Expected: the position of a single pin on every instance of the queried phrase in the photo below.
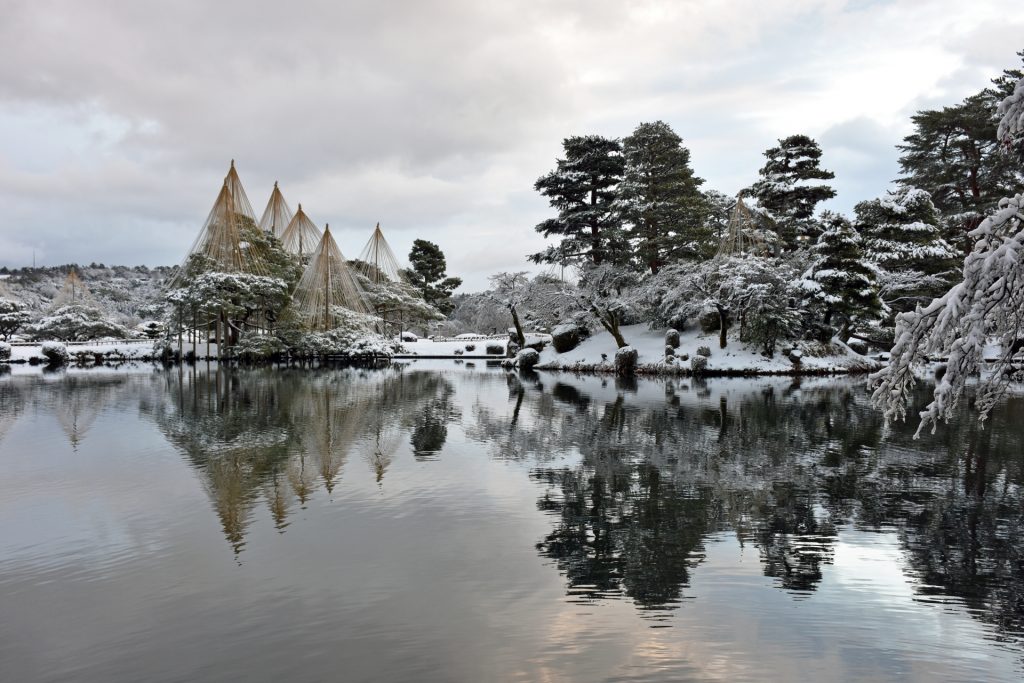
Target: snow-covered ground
(597, 353)
(465, 348)
(112, 351)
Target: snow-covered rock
(55, 353)
(526, 359)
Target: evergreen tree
(790, 188)
(954, 155)
(583, 188)
(429, 277)
(659, 198)
(841, 281)
(901, 235)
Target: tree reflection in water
(637, 476)
(281, 435)
(784, 466)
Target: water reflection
(278, 436)
(782, 466)
(498, 510)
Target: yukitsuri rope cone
(327, 283)
(221, 244)
(377, 262)
(277, 215)
(301, 236)
(742, 236)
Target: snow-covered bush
(5, 351)
(704, 351)
(527, 358)
(56, 353)
(672, 338)
(458, 352)
(625, 360)
(13, 317)
(470, 348)
(256, 348)
(495, 349)
(77, 322)
(698, 365)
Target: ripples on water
(434, 523)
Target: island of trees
(930, 268)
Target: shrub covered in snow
(704, 351)
(625, 360)
(672, 338)
(495, 349)
(56, 353)
(260, 347)
(5, 351)
(527, 358)
(471, 347)
(77, 322)
(698, 364)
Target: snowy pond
(441, 522)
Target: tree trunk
(612, 325)
(520, 337)
(723, 327)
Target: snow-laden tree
(988, 305)
(901, 236)
(791, 187)
(754, 292)
(840, 283)
(659, 202)
(398, 300)
(604, 295)
(235, 299)
(13, 317)
(583, 188)
(76, 322)
(957, 154)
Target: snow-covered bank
(597, 354)
(107, 351)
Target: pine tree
(659, 198)
(954, 155)
(582, 188)
(840, 281)
(429, 277)
(902, 237)
(790, 188)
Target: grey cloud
(433, 117)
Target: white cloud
(117, 120)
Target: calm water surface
(435, 522)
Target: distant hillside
(129, 294)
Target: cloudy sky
(118, 119)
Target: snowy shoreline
(596, 354)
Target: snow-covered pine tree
(791, 188)
(959, 325)
(902, 237)
(13, 317)
(955, 155)
(583, 187)
(841, 283)
(660, 202)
